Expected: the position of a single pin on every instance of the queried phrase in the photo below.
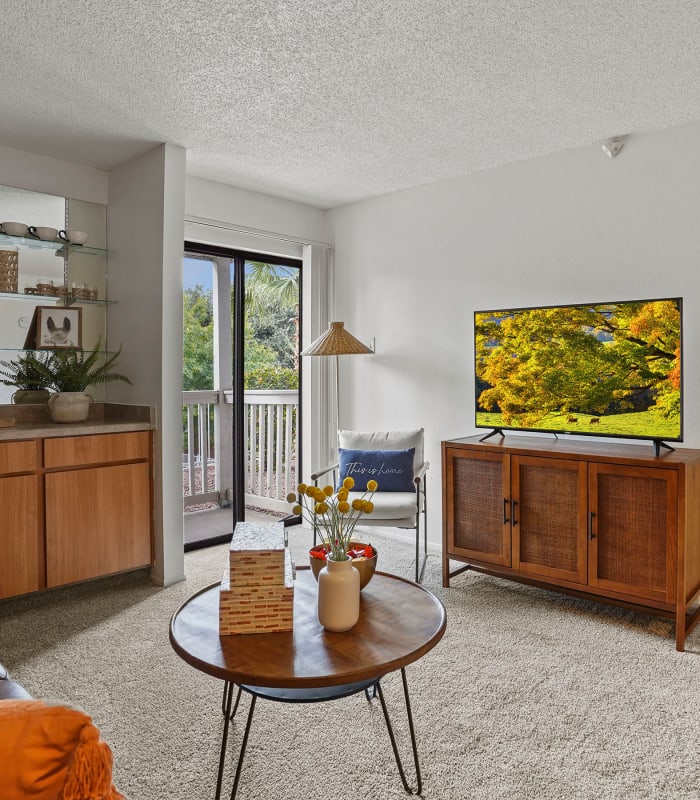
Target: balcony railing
(270, 436)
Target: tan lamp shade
(336, 341)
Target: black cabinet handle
(514, 505)
(591, 533)
(505, 511)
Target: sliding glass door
(241, 379)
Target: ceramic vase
(30, 396)
(338, 596)
(69, 406)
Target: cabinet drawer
(104, 448)
(18, 456)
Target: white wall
(412, 267)
(51, 175)
(145, 233)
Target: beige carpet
(528, 695)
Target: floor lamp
(336, 341)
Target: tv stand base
(658, 444)
(494, 432)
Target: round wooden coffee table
(400, 621)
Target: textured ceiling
(330, 101)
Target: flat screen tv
(599, 369)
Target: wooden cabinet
(21, 564)
(78, 507)
(603, 521)
(98, 518)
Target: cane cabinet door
(633, 530)
(548, 517)
(477, 506)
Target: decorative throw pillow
(51, 751)
(392, 469)
(385, 440)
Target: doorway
(241, 399)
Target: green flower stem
(335, 527)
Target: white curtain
(319, 423)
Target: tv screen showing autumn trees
(612, 369)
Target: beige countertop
(33, 422)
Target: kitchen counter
(33, 421)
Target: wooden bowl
(365, 566)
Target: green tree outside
(271, 331)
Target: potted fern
(26, 375)
(70, 373)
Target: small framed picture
(58, 328)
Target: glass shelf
(64, 248)
(15, 350)
(58, 300)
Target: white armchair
(400, 500)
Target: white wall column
(145, 226)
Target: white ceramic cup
(14, 228)
(77, 237)
(45, 234)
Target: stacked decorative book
(257, 589)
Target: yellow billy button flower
(369, 507)
(301, 488)
(357, 504)
(296, 509)
(372, 486)
(342, 495)
(348, 483)
(328, 490)
(310, 491)
(320, 508)
(319, 495)
(291, 497)
(343, 506)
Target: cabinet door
(477, 508)
(20, 535)
(98, 521)
(633, 530)
(549, 517)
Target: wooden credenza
(74, 508)
(605, 521)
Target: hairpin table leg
(414, 746)
(228, 689)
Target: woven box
(257, 588)
(9, 268)
(256, 554)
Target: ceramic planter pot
(33, 396)
(69, 406)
